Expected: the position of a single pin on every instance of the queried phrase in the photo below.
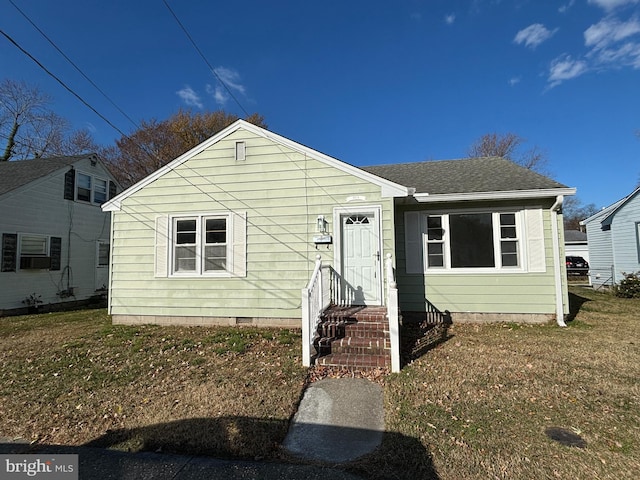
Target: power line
(213, 70)
(153, 155)
(64, 85)
(73, 64)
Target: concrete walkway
(338, 421)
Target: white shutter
(413, 243)
(162, 247)
(239, 239)
(535, 240)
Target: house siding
(40, 208)
(281, 191)
(625, 238)
(497, 295)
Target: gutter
(557, 271)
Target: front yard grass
(481, 402)
(73, 379)
(476, 406)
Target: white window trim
(92, 194)
(19, 253)
(200, 217)
(638, 240)
(521, 235)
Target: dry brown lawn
(476, 406)
(74, 379)
(479, 405)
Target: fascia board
(501, 195)
(389, 189)
(609, 218)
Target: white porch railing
(325, 288)
(314, 301)
(392, 314)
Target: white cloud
(609, 31)
(565, 68)
(624, 55)
(564, 8)
(533, 35)
(190, 97)
(229, 78)
(609, 5)
(513, 81)
(449, 19)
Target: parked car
(577, 266)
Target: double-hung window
(91, 189)
(200, 245)
(464, 241)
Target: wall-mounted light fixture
(321, 224)
(323, 238)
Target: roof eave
(496, 195)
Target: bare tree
(30, 129)
(509, 146)
(155, 143)
(574, 211)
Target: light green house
(231, 231)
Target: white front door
(361, 252)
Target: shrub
(629, 286)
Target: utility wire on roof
(73, 64)
(213, 70)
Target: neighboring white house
(614, 240)
(54, 236)
(575, 244)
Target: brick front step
(361, 345)
(354, 337)
(366, 330)
(355, 361)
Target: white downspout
(557, 271)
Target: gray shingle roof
(574, 236)
(486, 174)
(18, 173)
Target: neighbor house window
(91, 189)
(638, 239)
(84, 187)
(39, 252)
(464, 240)
(100, 191)
(103, 254)
(200, 245)
(33, 245)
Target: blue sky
(368, 82)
